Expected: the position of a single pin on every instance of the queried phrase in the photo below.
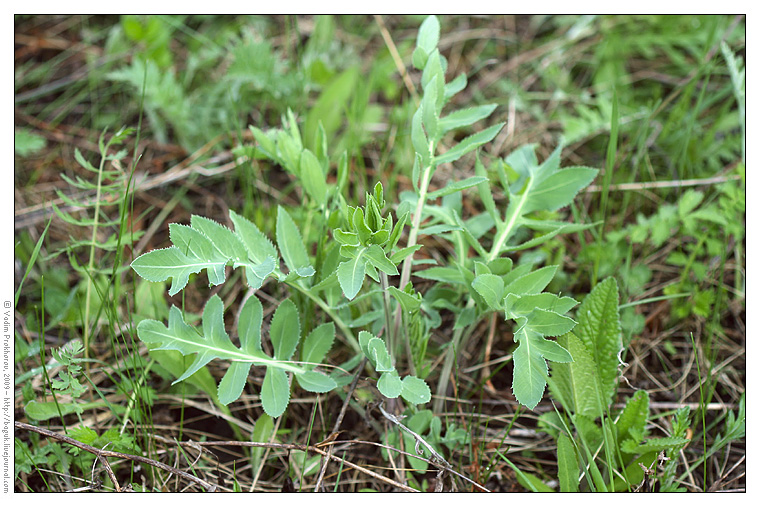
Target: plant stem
(91, 263)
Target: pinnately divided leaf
(214, 343)
(530, 369)
(208, 245)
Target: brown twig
(102, 454)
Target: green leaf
(285, 330)
(315, 382)
(376, 256)
(517, 306)
(530, 369)
(468, 144)
(291, 245)
(259, 247)
(159, 265)
(318, 343)
(419, 139)
(632, 421)
(599, 330)
(531, 283)
(232, 384)
(457, 186)
(390, 385)
(378, 354)
(313, 177)
(569, 474)
(275, 392)
(491, 288)
(351, 275)
(408, 302)
(654, 444)
(559, 189)
(576, 383)
(429, 34)
(415, 390)
(549, 323)
(464, 117)
(46, 410)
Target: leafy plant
(586, 388)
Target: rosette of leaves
(212, 342)
(367, 240)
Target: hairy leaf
(291, 245)
(599, 330)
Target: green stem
(91, 264)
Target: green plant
(366, 245)
(586, 389)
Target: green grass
(657, 102)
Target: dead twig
(102, 454)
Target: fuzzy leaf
(315, 382)
(390, 385)
(415, 390)
(429, 34)
(275, 392)
(549, 323)
(599, 330)
(457, 186)
(313, 177)
(559, 189)
(632, 421)
(285, 330)
(351, 275)
(318, 343)
(531, 283)
(576, 383)
(291, 245)
(468, 144)
(491, 288)
(530, 369)
(464, 117)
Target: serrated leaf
(518, 306)
(259, 247)
(162, 264)
(415, 390)
(549, 323)
(390, 385)
(468, 144)
(315, 382)
(653, 444)
(232, 384)
(530, 369)
(531, 283)
(285, 330)
(275, 392)
(291, 245)
(599, 330)
(632, 421)
(576, 383)
(318, 343)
